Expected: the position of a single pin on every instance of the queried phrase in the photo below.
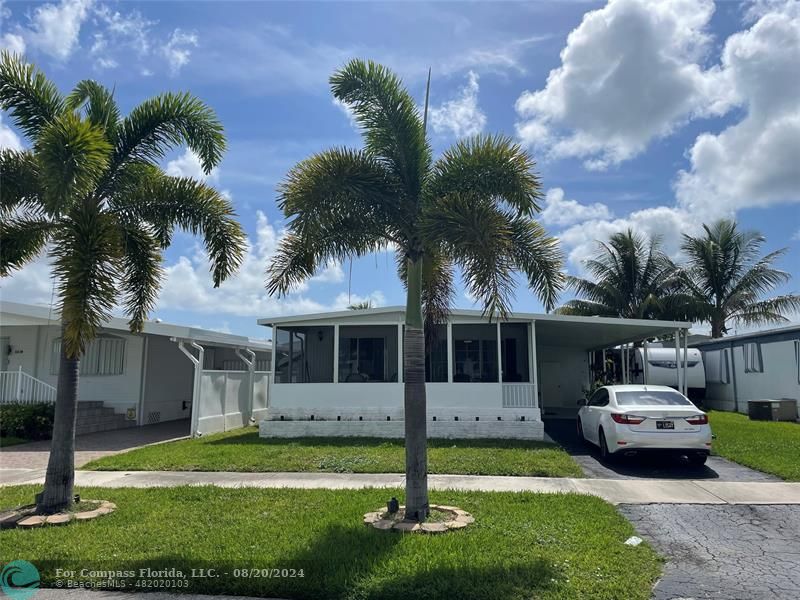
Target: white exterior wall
(563, 375)
(169, 378)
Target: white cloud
(177, 50)
(461, 116)
(55, 28)
(9, 139)
(188, 165)
(13, 43)
(343, 300)
(629, 73)
(331, 273)
(348, 112)
(131, 30)
(755, 161)
(559, 211)
(31, 284)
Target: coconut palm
(727, 277)
(471, 209)
(631, 278)
(90, 193)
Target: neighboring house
(137, 379)
(762, 365)
(341, 373)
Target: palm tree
(726, 278)
(90, 193)
(632, 279)
(363, 305)
(469, 209)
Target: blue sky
(657, 116)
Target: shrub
(27, 421)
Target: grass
(242, 450)
(522, 545)
(10, 440)
(769, 446)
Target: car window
(599, 398)
(652, 398)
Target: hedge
(27, 421)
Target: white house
(762, 365)
(213, 380)
(341, 373)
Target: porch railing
(18, 386)
(518, 395)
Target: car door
(594, 410)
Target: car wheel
(697, 460)
(581, 437)
(605, 455)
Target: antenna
(427, 97)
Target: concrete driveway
(90, 446)
(564, 433)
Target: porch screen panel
(475, 353)
(514, 346)
(436, 357)
(304, 355)
(368, 353)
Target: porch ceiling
(589, 335)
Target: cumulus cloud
(559, 211)
(188, 165)
(461, 116)
(55, 28)
(9, 139)
(13, 43)
(630, 72)
(178, 49)
(755, 161)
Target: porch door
(550, 390)
(4, 343)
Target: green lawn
(243, 450)
(772, 447)
(522, 546)
(10, 440)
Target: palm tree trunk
(415, 403)
(717, 325)
(60, 479)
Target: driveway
(34, 455)
(563, 432)
(724, 552)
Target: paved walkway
(88, 447)
(616, 491)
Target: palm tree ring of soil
(441, 520)
(26, 517)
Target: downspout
(143, 380)
(251, 376)
(197, 361)
(733, 378)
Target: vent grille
(153, 417)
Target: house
(214, 381)
(761, 365)
(341, 373)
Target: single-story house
(215, 381)
(340, 373)
(761, 365)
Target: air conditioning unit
(784, 409)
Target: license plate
(665, 424)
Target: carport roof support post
(197, 361)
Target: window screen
(103, 356)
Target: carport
(571, 352)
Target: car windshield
(651, 398)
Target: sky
(658, 116)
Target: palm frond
(28, 96)
(772, 310)
(142, 272)
(21, 240)
(490, 168)
(19, 182)
(99, 106)
(584, 308)
(389, 119)
(539, 257)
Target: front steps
(94, 416)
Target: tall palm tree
(469, 209)
(726, 278)
(631, 278)
(90, 193)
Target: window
(797, 358)
(475, 353)
(716, 365)
(367, 353)
(599, 398)
(105, 355)
(752, 358)
(436, 357)
(651, 398)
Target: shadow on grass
(251, 438)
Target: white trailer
(662, 368)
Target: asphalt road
(723, 552)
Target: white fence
(18, 386)
(229, 399)
(518, 395)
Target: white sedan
(628, 419)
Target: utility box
(784, 409)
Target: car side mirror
(582, 402)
